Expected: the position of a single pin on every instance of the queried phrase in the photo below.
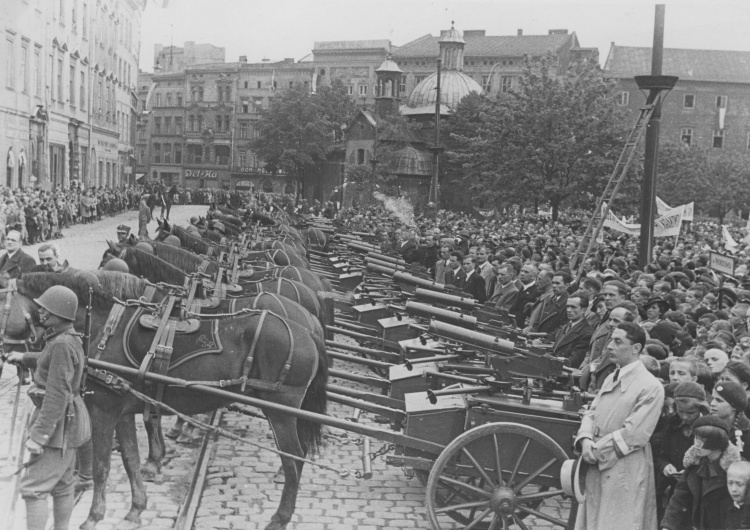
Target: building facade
(709, 106)
(196, 123)
(67, 92)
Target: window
(721, 102)
(360, 157)
(178, 153)
(10, 71)
(191, 121)
(167, 153)
(362, 90)
(256, 133)
(291, 84)
(168, 125)
(258, 102)
(686, 136)
(243, 129)
(59, 80)
(72, 83)
(718, 139)
(157, 153)
(506, 83)
(258, 84)
(200, 93)
(141, 134)
(179, 99)
(227, 123)
(169, 99)
(220, 92)
(141, 156)
(218, 123)
(245, 107)
(25, 68)
(486, 84)
(200, 123)
(37, 72)
(688, 101)
(158, 100)
(246, 84)
(350, 89)
(82, 90)
(402, 85)
(178, 125)
(228, 93)
(623, 99)
(192, 93)
(157, 125)
(85, 21)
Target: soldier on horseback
(60, 422)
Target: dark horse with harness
(255, 352)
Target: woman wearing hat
(729, 404)
(703, 486)
(656, 307)
(676, 438)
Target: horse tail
(310, 433)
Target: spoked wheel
(494, 476)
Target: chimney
(243, 59)
(520, 33)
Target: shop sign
(243, 184)
(200, 174)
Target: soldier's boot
(62, 509)
(36, 514)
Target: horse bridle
(5, 315)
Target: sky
(278, 29)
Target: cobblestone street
(239, 491)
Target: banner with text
(668, 225)
(662, 208)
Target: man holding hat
(614, 440)
(60, 422)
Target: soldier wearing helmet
(60, 422)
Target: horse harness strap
(113, 320)
(259, 384)
(159, 354)
(203, 267)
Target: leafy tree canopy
(555, 138)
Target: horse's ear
(112, 246)
(132, 240)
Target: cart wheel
(494, 476)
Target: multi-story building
(709, 106)
(175, 59)
(67, 91)
(197, 123)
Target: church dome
(454, 86)
(410, 161)
(389, 66)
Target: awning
(140, 178)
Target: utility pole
(437, 148)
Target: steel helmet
(116, 265)
(173, 241)
(194, 220)
(59, 301)
(145, 247)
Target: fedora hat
(573, 478)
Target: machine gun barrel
(410, 279)
(472, 338)
(387, 264)
(384, 257)
(381, 269)
(435, 297)
(443, 315)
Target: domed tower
(389, 79)
(454, 84)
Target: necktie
(617, 375)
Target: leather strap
(259, 384)
(161, 347)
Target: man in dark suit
(572, 340)
(528, 295)
(505, 293)
(16, 261)
(474, 284)
(455, 275)
(549, 312)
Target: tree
(554, 139)
(300, 129)
(715, 179)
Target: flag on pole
(729, 243)
(273, 79)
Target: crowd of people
(663, 350)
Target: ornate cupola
(389, 79)
(452, 49)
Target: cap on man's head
(124, 229)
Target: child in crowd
(736, 511)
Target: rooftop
(478, 45)
(694, 65)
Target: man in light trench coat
(614, 441)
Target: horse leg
(285, 432)
(156, 449)
(102, 429)
(131, 462)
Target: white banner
(662, 208)
(668, 225)
(729, 243)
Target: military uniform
(60, 422)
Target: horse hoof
(88, 524)
(149, 472)
(276, 524)
(173, 433)
(278, 477)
